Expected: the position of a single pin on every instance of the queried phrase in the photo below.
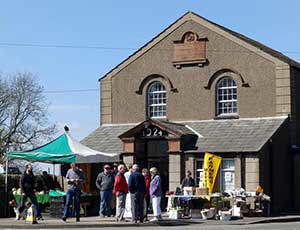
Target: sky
(119, 27)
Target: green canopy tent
(63, 149)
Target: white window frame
(161, 95)
(221, 104)
(223, 171)
(199, 170)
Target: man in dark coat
(27, 185)
(137, 189)
(188, 181)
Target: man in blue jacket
(137, 189)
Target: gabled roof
(236, 135)
(175, 129)
(224, 136)
(246, 42)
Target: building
(196, 87)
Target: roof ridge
(272, 52)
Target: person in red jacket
(147, 177)
(120, 190)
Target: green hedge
(13, 182)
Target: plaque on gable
(152, 131)
(190, 50)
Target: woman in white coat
(127, 213)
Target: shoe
(64, 218)
(34, 222)
(77, 219)
(154, 219)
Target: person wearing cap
(137, 188)
(105, 183)
(155, 194)
(75, 178)
(120, 190)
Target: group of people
(134, 191)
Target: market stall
(208, 202)
(63, 149)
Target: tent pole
(6, 173)
(6, 187)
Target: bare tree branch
(23, 113)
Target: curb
(276, 220)
(148, 224)
(92, 225)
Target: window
(226, 173)
(199, 171)
(226, 97)
(157, 100)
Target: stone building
(199, 87)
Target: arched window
(226, 91)
(157, 100)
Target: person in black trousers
(137, 189)
(27, 185)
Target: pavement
(97, 222)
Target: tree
(23, 113)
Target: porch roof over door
(235, 135)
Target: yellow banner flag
(211, 167)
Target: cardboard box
(187, 191)
(201, 191)
(225, 215)
(175, 214)
(196, 214)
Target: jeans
(120, 209)
(105, 197)
(137, 206)
(33, 200)
(70, 194)
(156, 206)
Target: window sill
(227, 116)
(158, 118)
